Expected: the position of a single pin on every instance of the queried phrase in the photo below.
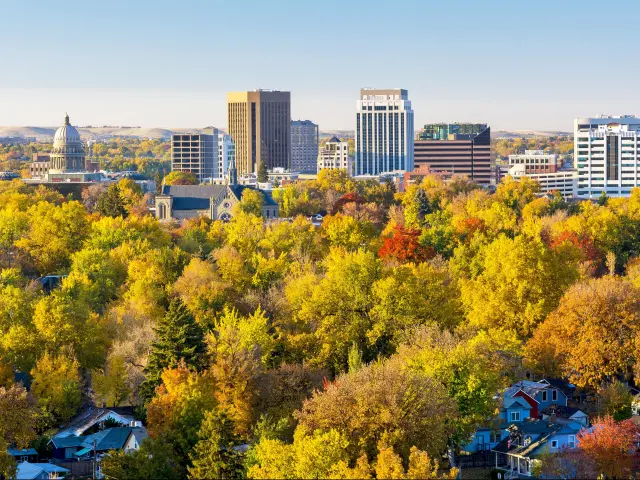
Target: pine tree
(178, 338)
(263, 175)
(111, 203)
(214, 455)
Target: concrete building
(68, 153)
(563, 181)
(456, 149)
(536, 161)
(259, 123)
(304, 146)
(196, 153)
(226, 154)
(606, 155)
(384, 132)
(334, 155)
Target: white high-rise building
(384, 132)
(606, 155)
(335, 155)
(226, 154)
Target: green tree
(155, 458)
(111, 202)
(178, 338)
(263, 175)
(416, 206)
(251, 202)
(215, 456)
(181, 178)
(17, 425)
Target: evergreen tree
(178, 338)
(111, 203)
(263, 176)
(214, 455)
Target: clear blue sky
(515, 64)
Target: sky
(514, 64)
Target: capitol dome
(66, 134)
(68, 151)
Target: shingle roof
(109, 439)
(193, 191)
(197, 197)
(17, 452)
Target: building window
(544, 396)
(554, 444)
(572, 441)
(554, 395)
(515, 416)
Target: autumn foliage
(404, 246)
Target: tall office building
(456, 149)
(226, 154)
(195, 153)
(304, 146)
(607, 155)
(384, 132)
(260, 125)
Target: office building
(535, 161)
(457, 149)
(195, 153)
(563, 181)
(260, 126)
(335, 155)
(226, 154)
(384, 132)
(606, 153)
(304, 146)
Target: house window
(554, 444)
(572, 441)
(515, 416)
(544, 396)
(68, 452)
(554, 395)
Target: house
(84, 446)
(539, 395)
(533, 437)
(217, 202)
(560, 414)
(24, 454)
(40, 471)
(92, 417)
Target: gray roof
(193, 191)
(334, 139)
(31, 471)
(89, 417)
(109, 439)
(17, 452)
(197, 197)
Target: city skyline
(510, 66)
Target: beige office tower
(260, 125)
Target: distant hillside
(527, 134)
(47, 133)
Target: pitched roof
(139, 434)
(109, 439)
(193, 191)
(17, 452)
(566, 387)
(509, 402)
(89, 417)
(526, 386)
(70, 441)
(197, 197)
(31, 471)
(334, 139)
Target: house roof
(562, 411)
(110, 439)
(545, 431)
(88, 418)
(526, 386)
(198, 197)
(66, 442)
(139, 434)
(334, 139)
(510, 402)
(31, 471)
(561, 384)
(17, 452)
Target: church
(181, 202)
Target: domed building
(68, 151)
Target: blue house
(82, 447)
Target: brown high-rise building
(455, 149)
(260, 125)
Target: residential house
(40, 471)
(84, 446)
(23, 454)
(94, 417)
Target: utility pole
(94, 460)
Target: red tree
(404, 246)
(347, 198)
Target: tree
(215, 454)
(155, 458)
(251, 202)
(575, 340)
(181, 178)
(404, 246)
(17, 425)
(611, 445)
(56, 387)
(110, 385)
(179, 338)
(111, 203)
(416, 206)
(383, 399)
(263, 175)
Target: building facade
(384, 132)
(606, 153)
(563, 181)
(226, 154)
(536, 161)
(196, 153)
(304, 146)
(335, 155)
(259, 123)
(447, 151)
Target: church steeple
(232, 172)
